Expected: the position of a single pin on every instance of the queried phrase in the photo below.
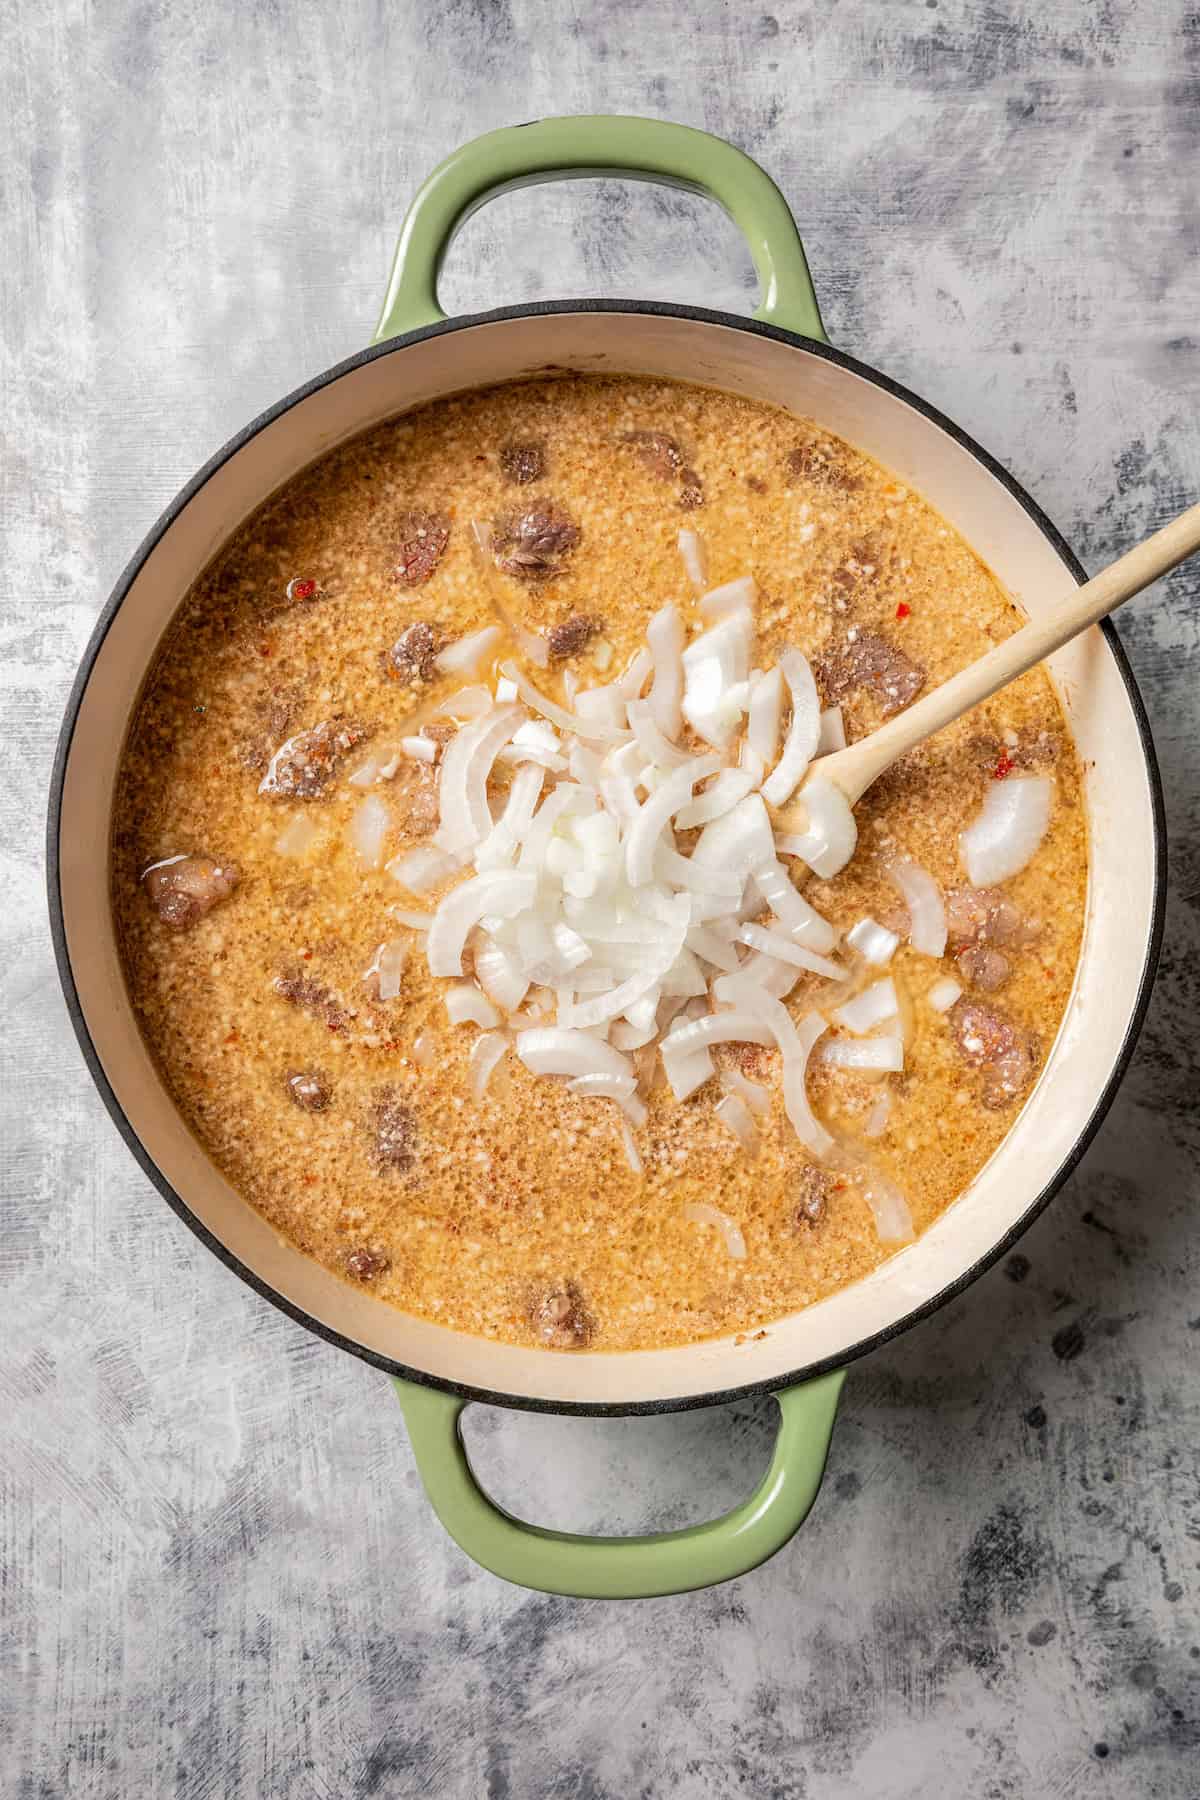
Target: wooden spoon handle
(855, 768)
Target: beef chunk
(522, 463)
(311, 996)
(423, 540)
(366, 1265)
(663, 457)
(561, 1319)
(824, 464)
(308, 1089)
(416, 799)
(811, 1196)
(1006, 1053)
(181, 889)
(305, 766)
(413, 656)
(393, 1131)
(998, 758)
(572, 635)
(534, 544)
(983, 924)
(867, 660)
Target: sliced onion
(467, 703)
(619, 1088)
(631, 1037)
(531, 644)
(766, 972)
(870, 1008)
(387, 967)
(923, 898)
(775, 944)
(649, 739)
(421, 869)
(699, 1212)
(558, 802)
(889, 1208)
(739, 1026)
(503, 892)
(618, 999)
(487, 1050)
(418, 749)
(800, 920)
(641, 667)
(424, 1050)
(874, 1054)
(553, 1050)
(665, 636)
(601, 705)
(499, 974)
(735, 1115)
(720, 797)
(943, 994)
(367, 831)
(592, 729)
(685, 1072)
(874, 942)
(465, 1005)
(766, 716)
(1008, 829)
(795, 1042)
(738, 842)
(630, 1148)
(416, 921)
(714, 670)
(656, 813)
(753, 1093)
(832, 735)
(712, 948)
(505, 690)
(732, 596)
(695, 558)
(804, 728)
(465, 656)
(877, 1118)
(723, 886)
(829, 842)
(462, 786)
(501, 843)
(298, 835)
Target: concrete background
(220, 1575)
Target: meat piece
(1006, 1053)
(367, 1265)
(560, 1318)
(423, 540)
(997, 757)
(536, 543)
(413, 656)
(522, 463)
(310, 996)
(983, 967)
(812, 1196)
(572, 635)
(660, 454)
(181, 889)
(664, 458)
(867, 660)
(393, 1131)
(308, 1089)
(820, 463)
(305, 766)
(416, 799)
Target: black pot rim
(175, 1200)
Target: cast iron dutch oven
(780, 356)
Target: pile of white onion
(576, 930)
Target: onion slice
(923, 898)
(665, 636)
(796, 1043)
(774, 944)
(753, 1093)
(486, 1052)
(656, 813)
(800, 920)
(1008, 829)
(943, 994)
(421, 869)
(714, 671)
(462, 786)
(874, 942)
(650, 741)
(699, 1212)
(874, 1006)
(465, 1005)
(592, 729)
(695, 558)
(732, 596)
(367, 831)
(766, 715)
(829, 842)
(804, 728)
(735, 1115)
(872, 1055)
(465, 655)
(730, 786)
(555, 1050)
(503, 892)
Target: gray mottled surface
(220, 1576)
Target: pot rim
(484, 1396)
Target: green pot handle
(624, 1568)
(565, 149)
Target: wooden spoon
(854, 769)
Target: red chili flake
(264, 649)
(311, 1181)
(903, 610)
(1004, 766)
(301, 590)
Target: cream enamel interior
(1118, 791)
